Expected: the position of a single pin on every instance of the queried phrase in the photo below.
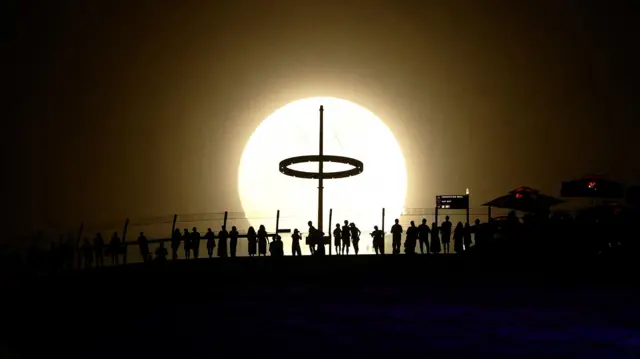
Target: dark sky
(134, 108)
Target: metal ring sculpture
(356, 170)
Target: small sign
(452, 202)
(288, 230)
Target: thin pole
(320, 175)
(330, 215)
(173, 226)
(277, 224)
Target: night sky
(134, 108)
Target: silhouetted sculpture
(186, 242)
(310, 240)
(355, 237)
(337, 235)
(411, 240)
(458, 237)
(87, 253)
(396, 231)
(161, 253)
(211, 242)
(445, 231)
(467, 236)
(195, 242)
(233, 241)
(295, 243)
(262, 241)
(98, 247)
(252, 241)
(143, 244)
(175, 243)
(423, 235)
(435, 238)
(346, 238)
(276, 247)
(222, 242)
(378, 240)
(114, 248)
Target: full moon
(350, 130)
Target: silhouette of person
(143, 244)
(337, 235)
(355, 237)
(295, 243)
(252, 241)
(114, 248)
(445, 229)
(311, 240)
(319, 239)
(211, 242)
(378, 238)
(98, 247)
(423, 235)
(346, 238)
(233, 241)
(467, 236)
(410, 241)
(262, 241)
(435, 238)
(222, 242)
(396, 231)
(161, 253)
(186, 240)
(87, 253)
(175, 243)
(458, 237)
(195, 242)
(276, 248)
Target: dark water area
(447, 306)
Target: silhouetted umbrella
(524, 199)
(592, 186)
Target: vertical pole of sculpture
(329, 228)
(320, 172)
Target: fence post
(124, 241)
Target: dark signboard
(452, 202)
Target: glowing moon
(349, 130)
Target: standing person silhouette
(222, 242)
(161, 253)
(355, 237)
(186, 240)
(252, 241)
(195, 242)
(233, 241)
(346, 238)
(445, 229)
(378, 240)
(410, 241)
(295, 243)
(311, 238)
(98, 247)
(396, 231)
(143, 244)
(175, 244)
(467, 236)
(262, 241)
(423, 235)
(458, 237)
(211, 242)
(337, 235)
(435, 238)
(114, 248)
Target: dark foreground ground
(444, 307)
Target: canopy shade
(592, 186)
(524, 199)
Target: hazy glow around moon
(349, 130)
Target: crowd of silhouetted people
(586, 233)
